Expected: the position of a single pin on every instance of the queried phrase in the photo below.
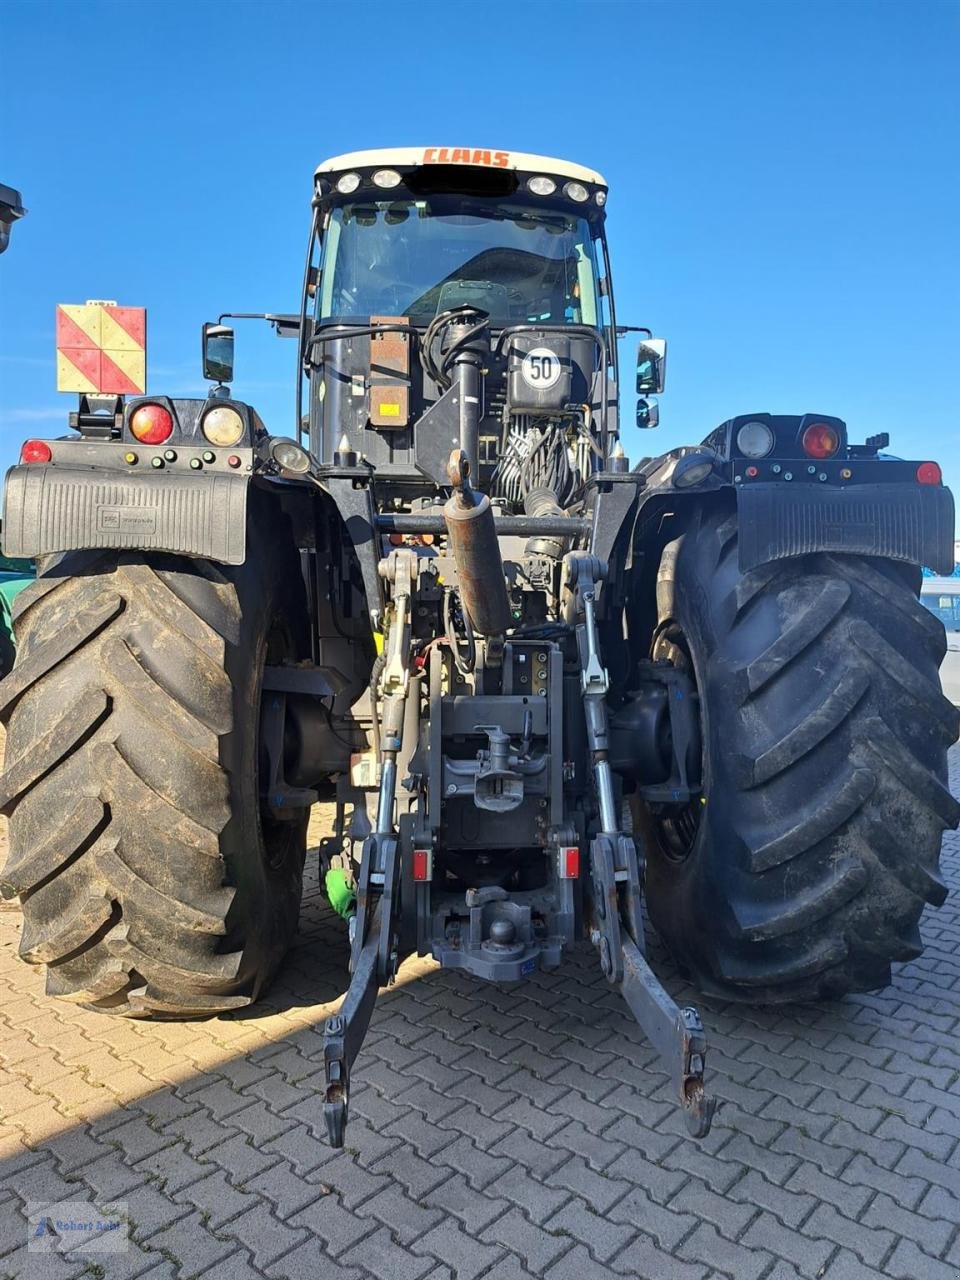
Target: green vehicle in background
(14, 576)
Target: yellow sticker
(389, 410)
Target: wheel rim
(278, 839)
(677, 827)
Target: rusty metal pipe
(476, 551)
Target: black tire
(151, 882)
(805, 872)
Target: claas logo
(464, 155)
(101, 348)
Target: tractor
(549, 694)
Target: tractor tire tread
(818, 846)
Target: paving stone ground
(495, 1132)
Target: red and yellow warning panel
(101, 348)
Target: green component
(13, 579)
(340, 892)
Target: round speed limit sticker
(540, 369)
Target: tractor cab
(422, 257)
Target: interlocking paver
(474, 1210)
(386, 1260)
(807, 1255)
(216, 1199)
(869, 1242)
(667, 1224)
(407, 1218)
(577, 1264)
(263, 1235)
(603, 1236)
(502, 1133)
(192, 1245)
(908, 1263)
(599, 1190)
(309, 1262)
(644, 1259)
(537, 1200)
(335, 1225)
(706, 1245)
(536, 1247)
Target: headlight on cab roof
(222, 426)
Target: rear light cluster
(153, 424)
(820, 441)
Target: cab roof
(478, 157)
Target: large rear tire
(152, 882)
(805, 870)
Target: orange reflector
(569, 863)
(423, 864)
(929, 473)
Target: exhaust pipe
(473, 540)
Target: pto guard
(898, 521)
(53, 509)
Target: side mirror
(648, 414)
(217, 353)
(651, 366)
(11, 208)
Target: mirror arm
(287, 326)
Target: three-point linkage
(374, 954)
(617, 878)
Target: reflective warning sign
(101, 348)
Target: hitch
(616, 873)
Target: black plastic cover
(912, 522)
(49, 509)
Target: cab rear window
(946, 606)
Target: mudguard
(49, 509)
(912, 522)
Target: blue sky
(784, 182)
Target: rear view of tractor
(539, 686)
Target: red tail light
(35, 451)
(820, 441)
(929, 473)
(151, 424)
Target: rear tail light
(151, 423)
(929, 473)
(35, 451)
(820, 441)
